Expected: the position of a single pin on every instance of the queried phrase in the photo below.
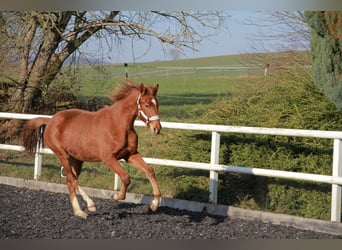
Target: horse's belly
(84, 152)
(82, 141)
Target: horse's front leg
(116, 167)
(137, 161)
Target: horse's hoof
(81, 214)
(118, 197)
(92, 208)
(154, 205)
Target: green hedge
(277, 102)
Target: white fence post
(116, 182)
(336, 189)
(38, 156)
(214, 159)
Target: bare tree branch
(44, 40)
(288, 30)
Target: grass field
(185, 85)
(229, 90)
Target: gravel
(37, 214)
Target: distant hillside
(260, 59)
(228, 60)
(215, 66)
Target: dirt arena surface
(31, 214)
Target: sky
(235, 39)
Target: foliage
(286, 100)
(326, 50)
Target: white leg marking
(155, 204)
(77, 210)
(90, 203)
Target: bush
(281, 103)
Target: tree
(44, 40)
(280, 31)
(326, 52)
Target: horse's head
(148, 107)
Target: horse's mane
(123, 90)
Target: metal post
(38, 156)
(214, 159)
(126, 70)
(336, 189)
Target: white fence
(214, 167)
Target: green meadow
(185, 85)
(227, 90)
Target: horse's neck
(126, 110)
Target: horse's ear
(142, 89)
(155, 89)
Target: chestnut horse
(107, 135)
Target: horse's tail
(32, 133)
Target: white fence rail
(214, 167)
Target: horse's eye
(147, 106)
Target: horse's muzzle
(155, 127)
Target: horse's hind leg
(76, 170)
(73, 187)
(137, 161)
(71, 179)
